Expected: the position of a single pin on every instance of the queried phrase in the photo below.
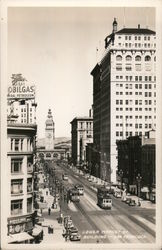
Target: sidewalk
(51, 220)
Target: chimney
(138, 26)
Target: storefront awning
(20, 237)
(37, 230)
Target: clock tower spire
(49, 131)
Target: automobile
(128, 200)
(111, 191)
(75, 237)
(89, 179)
(132, 203)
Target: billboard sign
(20, 90)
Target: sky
(55, 49)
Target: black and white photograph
(81, 126)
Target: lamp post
(139, 178)
(121, 178)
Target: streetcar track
(91, 191)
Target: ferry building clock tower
(49, 132)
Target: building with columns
(124, 93)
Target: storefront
(20, 224)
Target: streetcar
(80, 189)
(104, 199)
(74, 195)
(65, 177)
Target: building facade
(124, 92)
(81, 134)
(136, 156)
(21, 151)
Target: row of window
(139, 45)
(136, 93)
(136, 125)
(17, 206)
(17, 144)
(136, 102)
(136, 109)
(16, 165)
(137, 133)
(137, 58)
(88, 125)
(136, 117)
(129, 67)
(25, 121)
(137, 78)
(17, 186)
(137, 86)
(136, 38)
(24, 110)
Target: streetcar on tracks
(80, 189)
(104, 199)
(74, 195)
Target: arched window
(147, 58)
(138, 58)
(118, 58)
(48, 155)
(128, 58)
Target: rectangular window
(16, 186)
(21, 145)
(29, 185)
(16, 144)
(140, 86)
(121, 133)
(11, 144)
(117, 133)
(29, 205)
(136, 86)
(16, 207)
(16, 165)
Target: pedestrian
(49, 211)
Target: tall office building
(124, 92)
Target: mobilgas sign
(20, 90)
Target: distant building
(81, 135)
(124, 93)
(49, 132)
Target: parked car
(132, 203)
(75, 237)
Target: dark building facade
(136, 156)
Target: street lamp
(121, 178)
(139, 178)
